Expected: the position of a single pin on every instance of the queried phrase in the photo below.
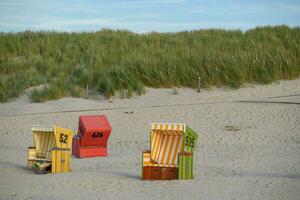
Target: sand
(259, 160)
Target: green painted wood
(190, 139)
(192, 167)
(184, 167)
(179, 166)
(188, 167)
(182, 159)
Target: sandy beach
(260, 159)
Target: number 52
(63, 138)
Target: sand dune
(258, 159)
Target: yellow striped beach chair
(52, 144)
(167, 141)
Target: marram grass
(109, 60)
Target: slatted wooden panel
(31, 153)
(166, 142)
(44, 141)
(61, 161)
(185, 165)
(31, 157)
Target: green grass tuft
(109, 60)
(106, 87)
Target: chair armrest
(31, 153)
(146, 151)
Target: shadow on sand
(17, 166)
(125, 174)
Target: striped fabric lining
(147, 162)
(44, 141)
(171, 146)
(159, 165)
(166, 142)
(174, 128)
(42, 128)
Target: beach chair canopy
(94, 130)
(168, 139)
(44, 141)
(48, 137)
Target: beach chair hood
(168, 139)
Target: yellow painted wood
(69, 161)
(63, 137)
(65, 164)
(146, 159)
(30, 163)
(52, 144)
(31, 157)
(53, 163)
(60, 161)
(31, 153)
(56, 162)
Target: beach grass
(109, 61)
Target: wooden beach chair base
(88, 151)
(160, 173)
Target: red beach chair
(91, 139)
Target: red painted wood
(75, 144)
(92, 137)
(94, 130)
(84, 152)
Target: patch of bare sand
(247, 150)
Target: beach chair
(92, 137)
(171, 152)
(51, 151)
